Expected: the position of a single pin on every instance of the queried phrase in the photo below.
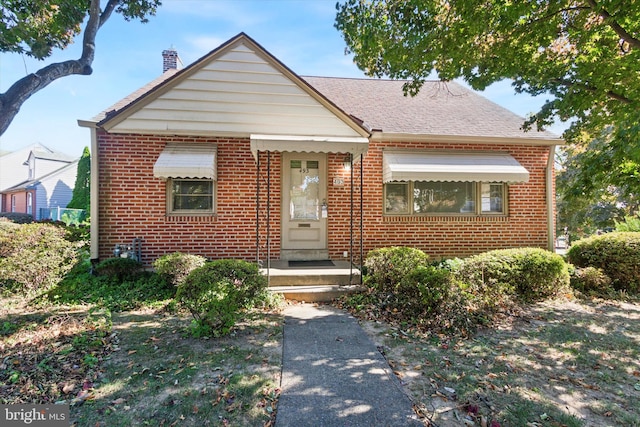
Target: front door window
(305, 190)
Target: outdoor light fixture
(348, 161)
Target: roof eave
(464, 139)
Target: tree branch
(12, 100)
(633, 42)
(611, 94)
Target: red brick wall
(442, 236)
(132, 204)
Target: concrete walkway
(333, 375)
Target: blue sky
(299, 33)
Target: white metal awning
(451, 166)
(355, 145)
(186, 161)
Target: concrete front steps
(312, 283)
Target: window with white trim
(448, 198)
(191, 196)
(30, 203)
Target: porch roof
(309, 144)
(186, 161)
(455, 167)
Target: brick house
(236, 156)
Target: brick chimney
(170, 60)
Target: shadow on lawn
(562, 364)
(161, 376)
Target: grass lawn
(139, 367)
(559, 363)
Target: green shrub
(529, 274)
(80, 287)
(119, 269)
(617, 254)
(34, 257)
(591, 280)
(424, 289)
(386, 267)
(17, 217)
(216, 293)
(176, 267)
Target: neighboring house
(236, 156)
(43, 181)
(13, 167)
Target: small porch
(312, 281)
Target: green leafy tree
(36, 28)
(597, 186)
(584, 55)
(82, 189)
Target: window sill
(191, 217)
(407, 218)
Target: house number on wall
(338, 181)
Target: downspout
(93, 197)
(258, 207)
(551, 200)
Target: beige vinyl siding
(238, 93)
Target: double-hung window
(191, 196)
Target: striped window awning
(186, 161)
(453, 167)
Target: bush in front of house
(142, 288)
(386, 267)
(175, 267)
(423, 290)
(34, 257)
(616, 254)
(119, 269)
(218, 292)
(592, 281)
(527, 274)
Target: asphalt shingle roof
(440, 108)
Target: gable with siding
(236, 90)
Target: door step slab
(315, 293)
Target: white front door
(304, 204)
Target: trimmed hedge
(529, 274)
(616, 254)
(17, 217)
